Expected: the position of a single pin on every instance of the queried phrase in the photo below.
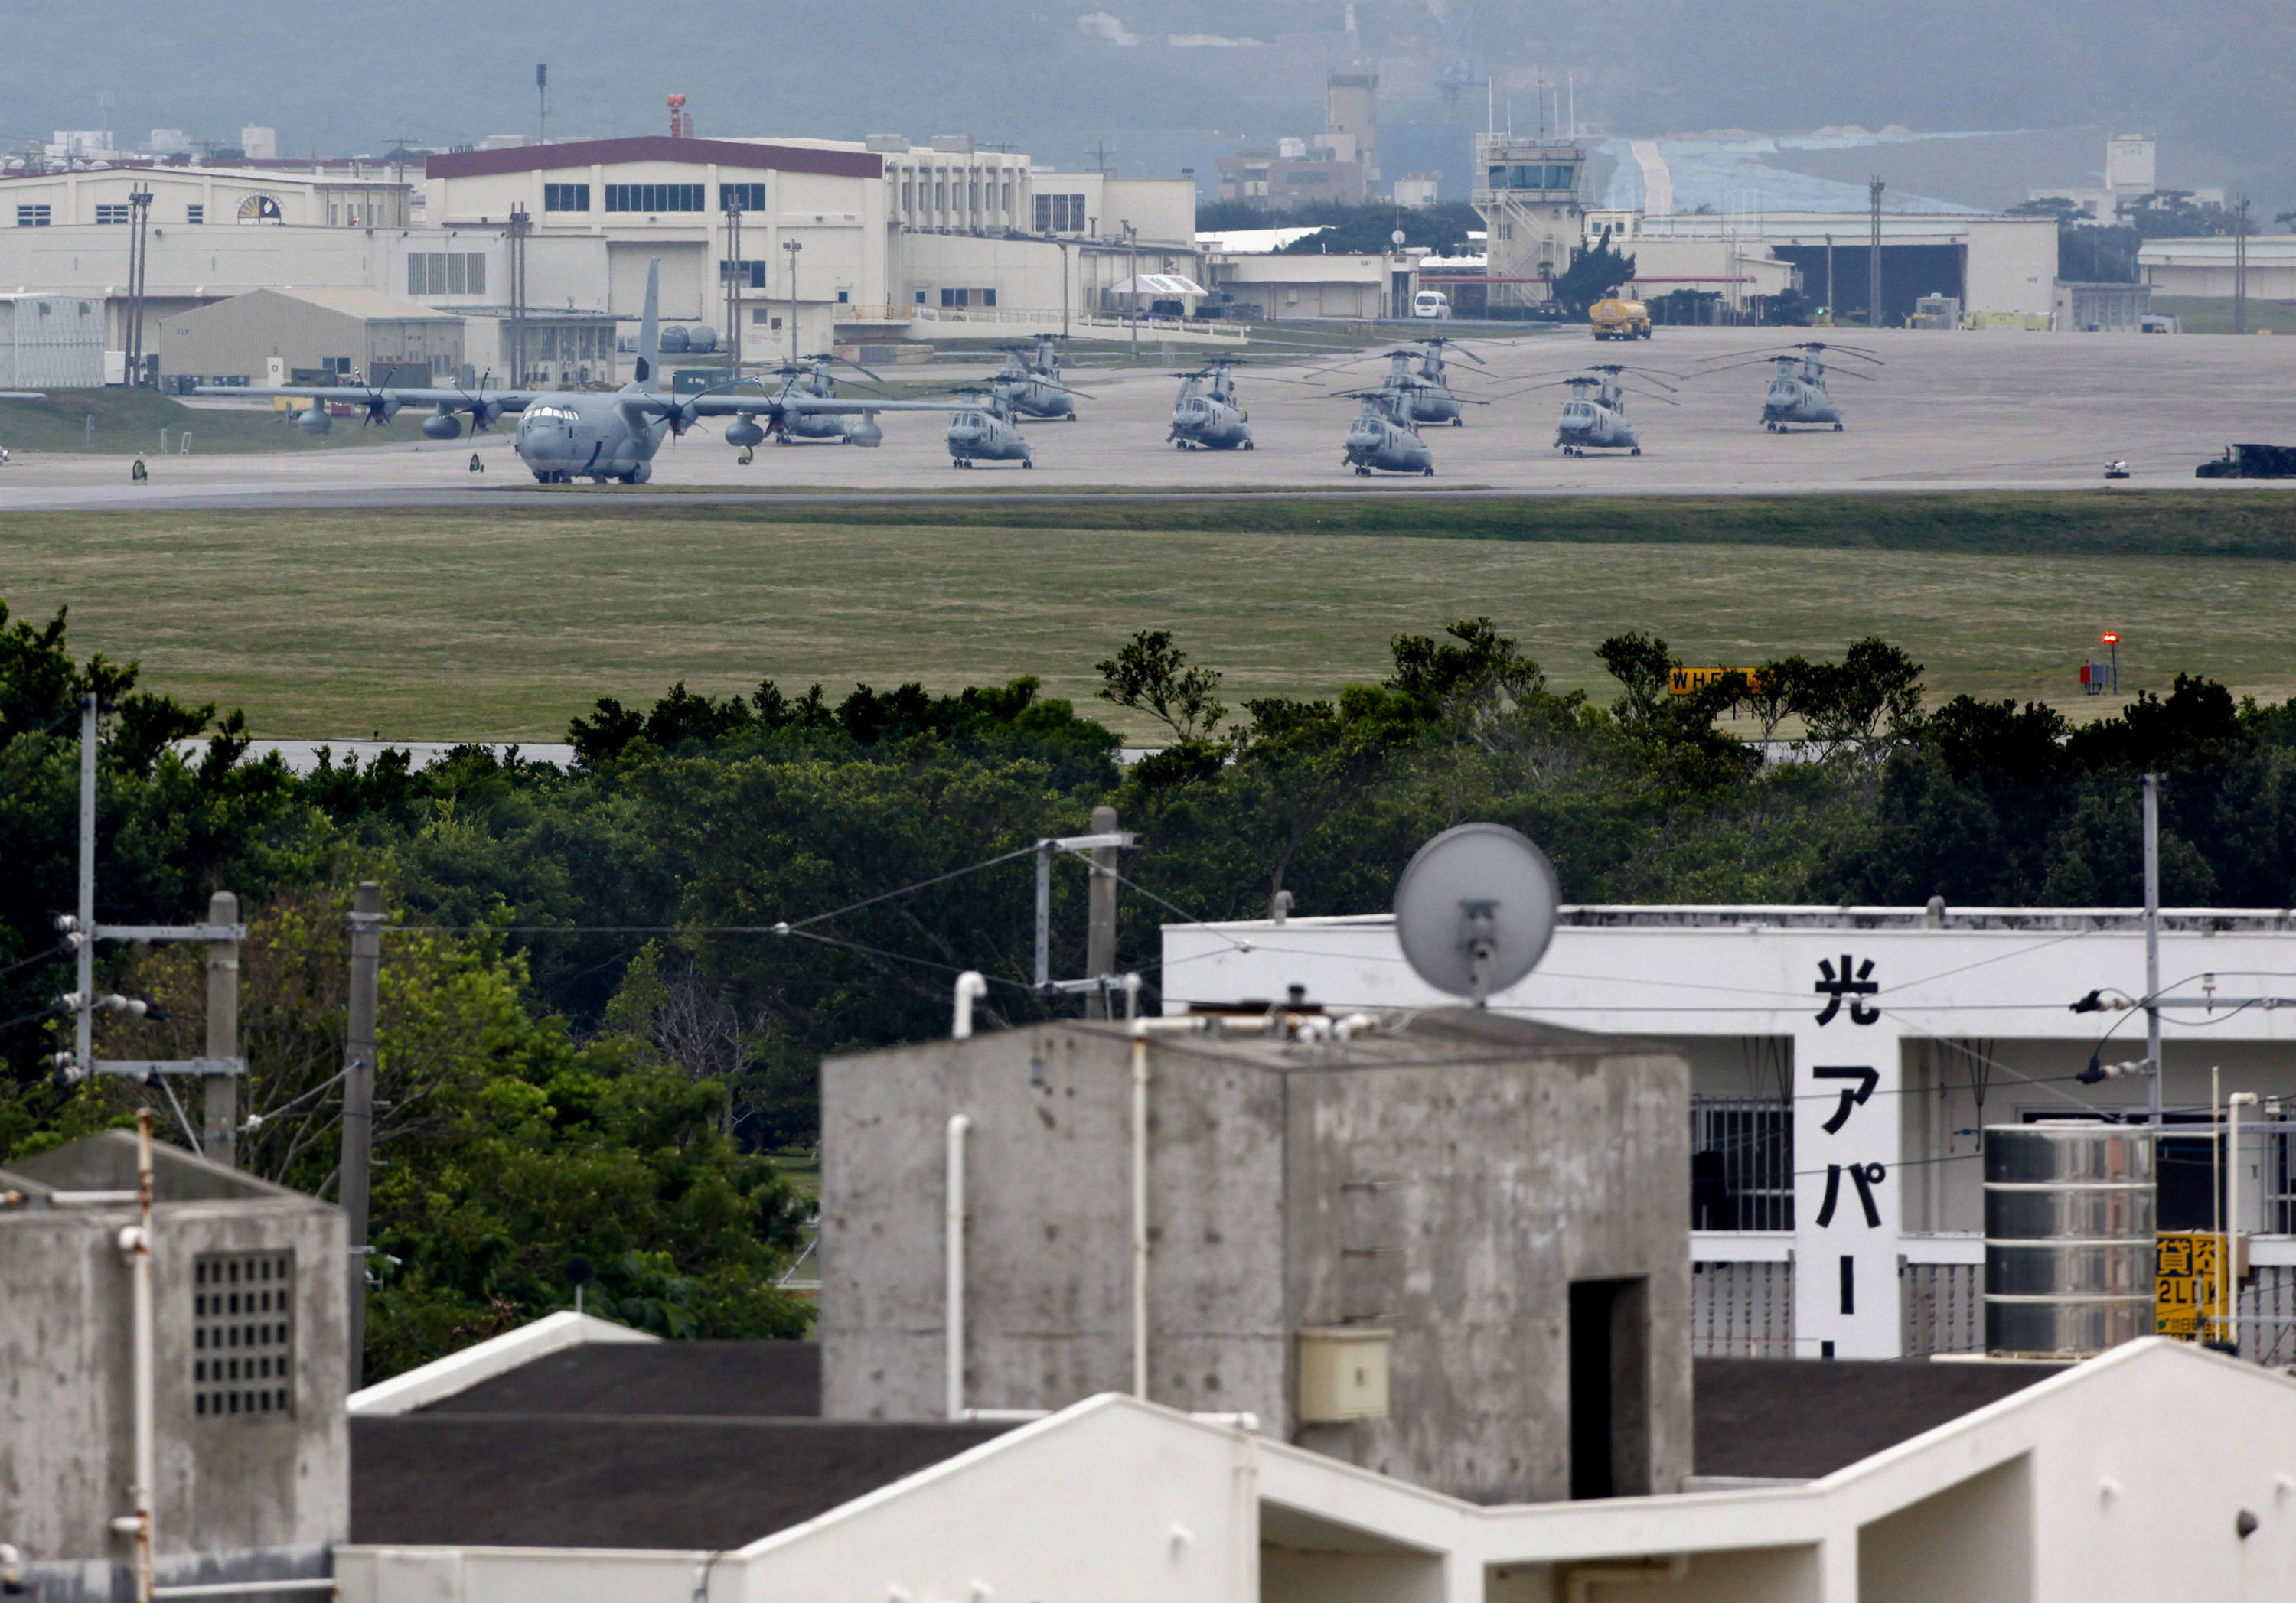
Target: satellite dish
(1475, 910)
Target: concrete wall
(236, 1497)
(300, 199)
(1447, 1183)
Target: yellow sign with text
(2187, 1282)
(1689, 681)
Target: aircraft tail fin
(649, 376)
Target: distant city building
(1341, 165)
(168, 142)
(259, 144)
(1418, 190)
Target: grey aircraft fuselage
(1596, 421)
(1798, 397)
(1381, 437)
(986, 432)
(1206, 415)
(1031, 386)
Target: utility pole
(139, 248)
(1132, 246)
(219, 1132)
(793, 247)
(358, 1104)
(1874, 187)
(2152, 940)
(1829, 275)
(1064, 289)
(2240, 267)
(542, 103)
(1100, 916)
(514, 232)
(734, 271)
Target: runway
(1948, 412)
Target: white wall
(2012, 264)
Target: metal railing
(1044, 317)
(1742, 1164)
(1741, 1310)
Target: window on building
(940, 197)
(565, 197)
(973, 200)
(844, 297)
(955, 298)
(112, 214)
(243, 1335)
(1008, 195)
(908, 197)
(1561, 177)
(654, 197)
(752, 273)
(195, 214)
(988, 297)
(921, 298)
(750, 197)
(31, 217)
(1060, 214)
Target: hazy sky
(2216, 79)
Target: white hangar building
(878, 232)
(891, 239)
(1844, 1062)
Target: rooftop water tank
(2069, 1238)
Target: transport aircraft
(600, 435)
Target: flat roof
(711, 1446)
(656, 147)
(2185, 920)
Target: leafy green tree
(1593, 275)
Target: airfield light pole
(1873, 253)
(542, 103)
(793, 247)
(2113, 641)
(1829, 276)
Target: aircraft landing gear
(1247, 444)
(1028, 464)
(1363, 473)
(1426, 472)
(1837, 428)
(1637, 451)
(1458, 422)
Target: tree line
(613, 983)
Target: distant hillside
(2216, 79)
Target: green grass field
(428, 626)
(129, 422)
(2212, 314)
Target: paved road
(1949, 412)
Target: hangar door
(682, 272)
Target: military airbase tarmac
(1948, 411)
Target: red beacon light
(2111, 640)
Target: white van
(1431, 303)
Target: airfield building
(881, 238)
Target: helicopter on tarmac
(1800, 396)
(809, 380)
(1206, 416)
(1030, 386)
(1383, 436)
(1597, 422)
(1432, 401)
(985, 428)
(1428, 386)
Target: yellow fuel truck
(1615, 319)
